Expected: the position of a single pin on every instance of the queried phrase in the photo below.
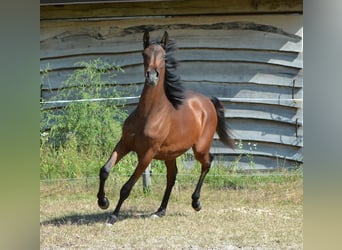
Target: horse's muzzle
(152, 77)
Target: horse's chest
(148, 132)
(156, 131)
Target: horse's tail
(222, 128)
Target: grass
(259, 212)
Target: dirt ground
(266, 216)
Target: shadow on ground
(76, 219)
(101, 217)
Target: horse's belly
(169, 155)
(171, 151)
(180, 138)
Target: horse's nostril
(148, 74)
(157, 73)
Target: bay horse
(167, 121)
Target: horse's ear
(165, 39)
(146, 39)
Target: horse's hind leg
(205, 160)
(171, 179)
(118, 152)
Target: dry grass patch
(265, 215)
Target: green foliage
(83, 131)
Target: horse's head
(154, 59)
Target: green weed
(78, 137)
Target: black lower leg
(162, 209)
(171, 179)
(102, 200)
(196, 204)
(124, 193)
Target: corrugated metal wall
(253, 63)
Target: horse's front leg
(118, 152)
(127, 187)
(143, 161)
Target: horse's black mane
(173, 85)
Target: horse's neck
(153, 100)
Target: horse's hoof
(196, 205)
(160, 213)
(104, 203)
(155, 216)
(112, 219)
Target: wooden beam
(63, 2)
(146, 178)
(168, 8)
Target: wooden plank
(134, 27)
(146, 178)
(215, 72)
(81, 42)
(69, 62)
(127, 59)
(265, 112)
(263, 129)
(237, 72)
(282, 24)
(55, 79)
(259, 148)
(235, 91)
(277, 33)
(173, 8)
(297, 103)
(63, 2)
(268, 138)
(245, 90)
(256, 163)
(277, 58)
(266, 131)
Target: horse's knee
(104, 173)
